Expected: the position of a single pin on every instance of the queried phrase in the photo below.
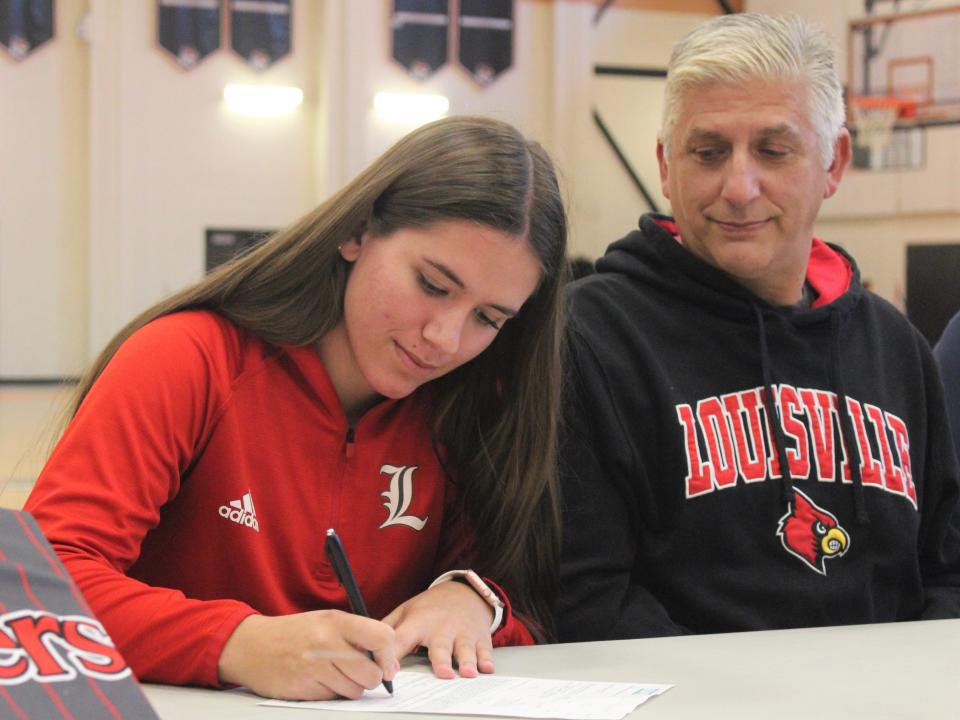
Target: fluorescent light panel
(410, 108)
(262, 100)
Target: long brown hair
(495, 417)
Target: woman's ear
(350, 250)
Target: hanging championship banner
(420, 29)
(25, 25)
(189, 29)
(56, 659)
(485, 31)
(260, 31)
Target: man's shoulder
(598, 299)
(886, 313)
(887, 329)
(598, 284)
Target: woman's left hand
(453, 622)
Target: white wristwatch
(483, 590)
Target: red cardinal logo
(811, 533)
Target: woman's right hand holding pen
(315, 655)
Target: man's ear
(664, 169)
(842, 153)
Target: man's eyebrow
(700, 134)
(454, 278)
(773, 131)
(782, 129)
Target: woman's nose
(443, 331)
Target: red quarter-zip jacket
(196, 484)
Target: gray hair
(732, 48)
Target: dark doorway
(933, 287)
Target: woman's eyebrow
(450, 274)
(455, 279)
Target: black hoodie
(677, 517)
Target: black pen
(341, 566)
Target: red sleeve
(456, 553)
(511, 631)
(119, 461)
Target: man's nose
(741, 180)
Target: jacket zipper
(349, 445)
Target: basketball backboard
(911, 56)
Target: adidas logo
(241, 512)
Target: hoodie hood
(654, 256)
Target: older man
(752, 440)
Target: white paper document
(416, 692)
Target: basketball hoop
(874, 117)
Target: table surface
(895, 670)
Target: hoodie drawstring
(773, 413)
(846, 425)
